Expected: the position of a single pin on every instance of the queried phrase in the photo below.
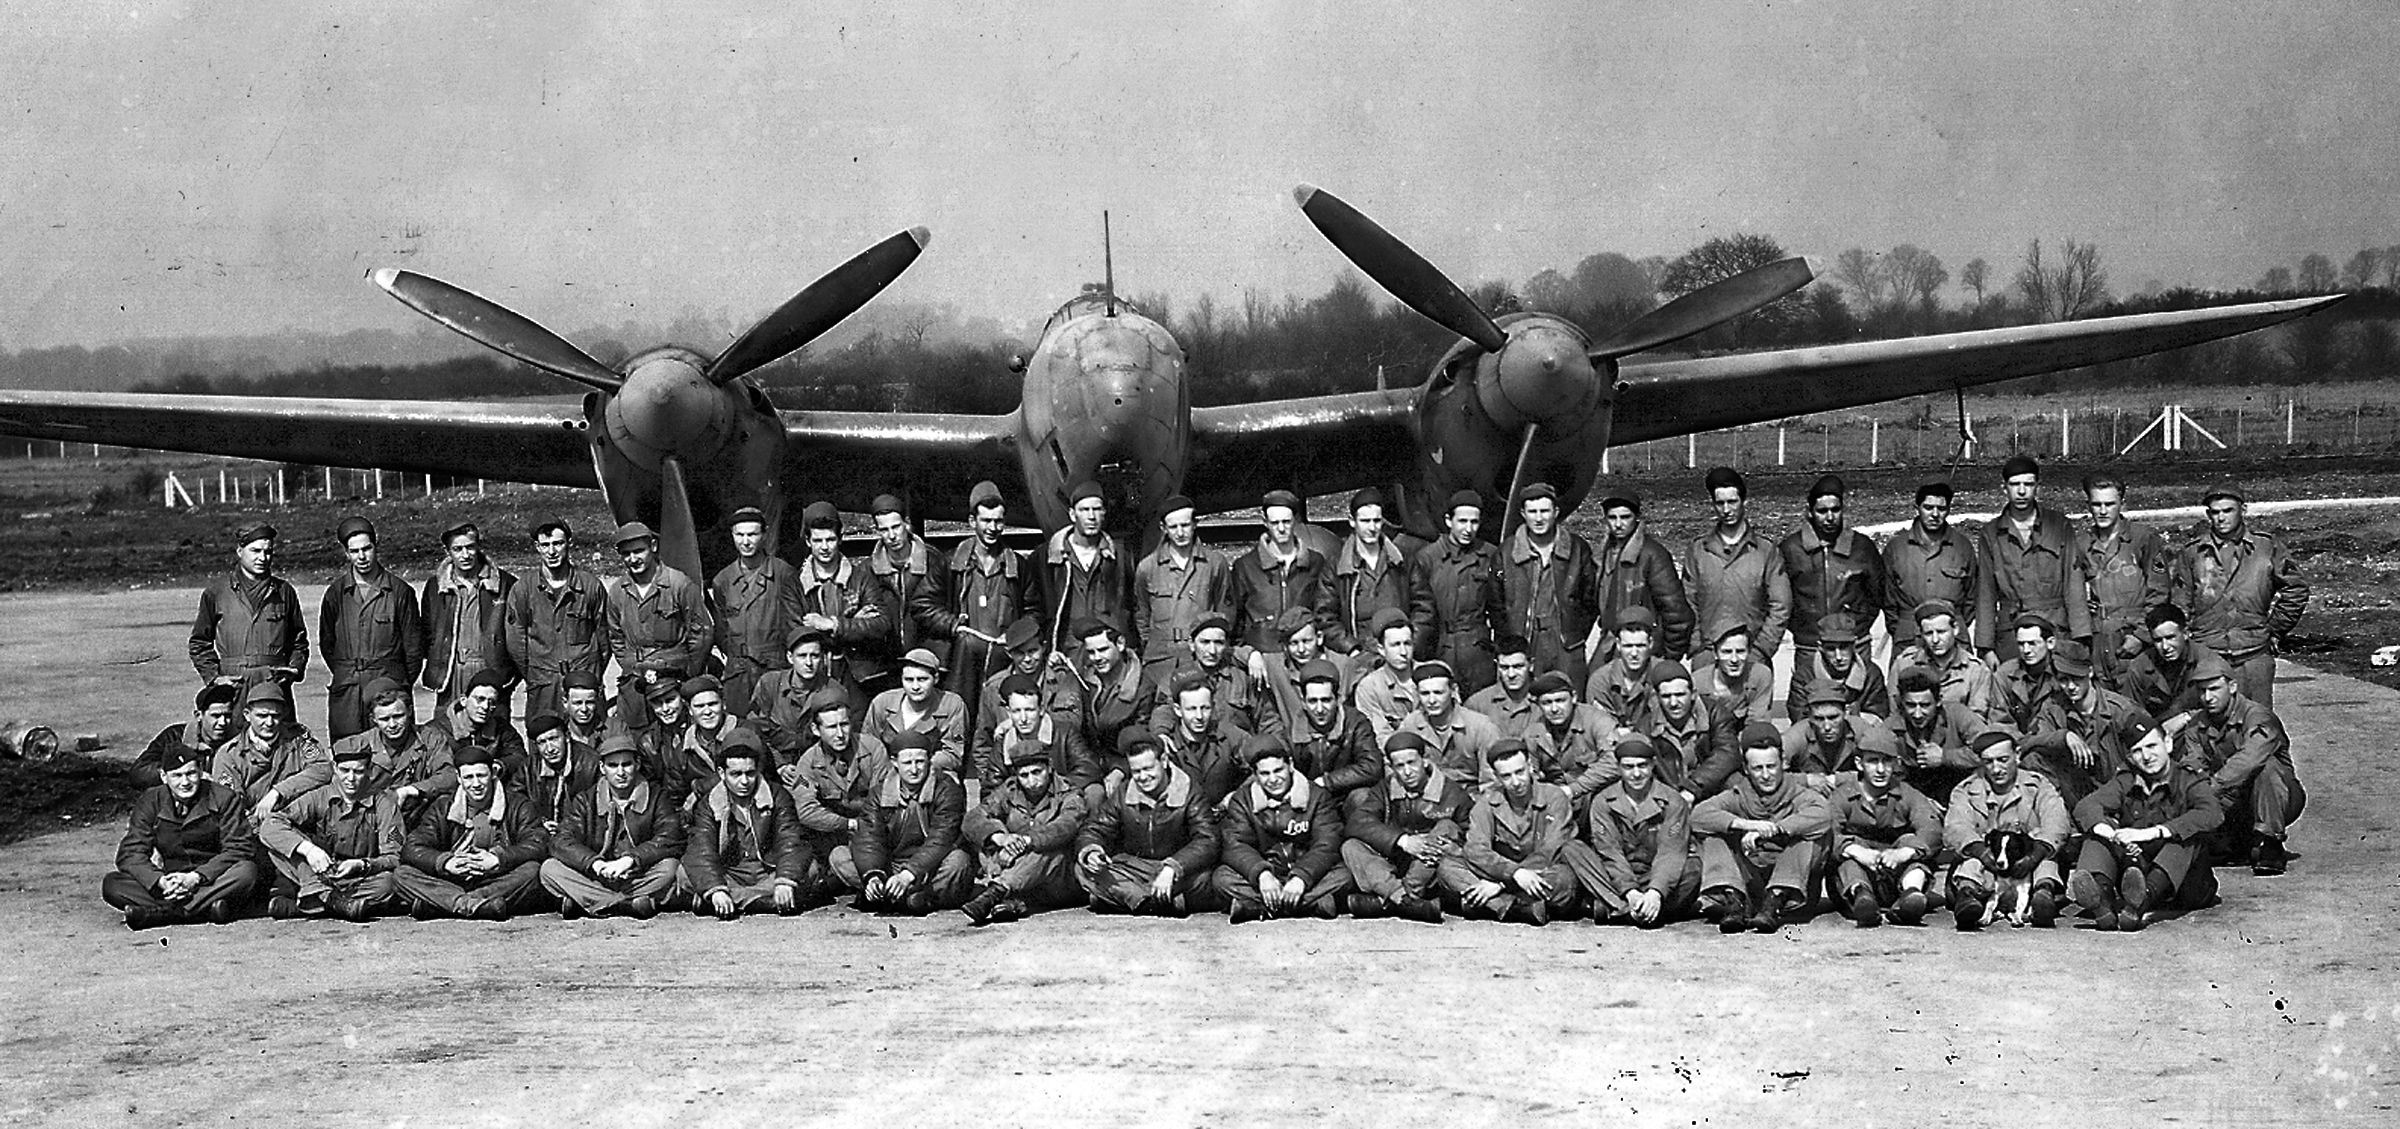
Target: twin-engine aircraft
(680, 439)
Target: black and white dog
(2014, 854)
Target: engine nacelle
(1472, 417)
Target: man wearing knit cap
(1281, 836)
(1886, 835)
(1837, 662)
(1387, 694)
(1569, 740)
(188, 854)
(1456, 738)
(1622, 684)
(335, 849)
(1457, 595)
(841, 597)
(1208, 653)
(551, 771)
(1282, 572)
(1085, 573)
(1514, 863)
(1826, 744)
(1639, 868)
(367, 628)
(1151, 845)
(908, 567)
(1734, 574)
(984, 588)
(1399, 829)
(1176, 587)
(1834, 570)
(1332, 745)
(620, 848)
(1638, 570)
(1697, 745)
(743, 851)
(1023, 831)
(2029, 565)
(2242, 590)
(2146, 835)
(1942, 647)
(1366, 576)
(411, 761)
(480, 854)
(658, 620)
(556, 622)
(2002, 794)
(757, 604)
(1930, 560)
(1508, 701)
(250, 628)
(1761, 840)
(906, 854)
(2242, 746)
(1552, 582)
(920, 704)
(465, 603)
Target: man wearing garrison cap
(1569, 740)
(336, 848)
(250, 628)
(1238, 697)
(757, 602)
(1761, 839)
(188, 854)
(1734, 574)
(1366, 576)
(1886, 835)
(556, 624)
(273, 759)
(1176, 587)
(2029, 565)
(1552, 581)
(2146, 835)
(620, 848)
(1930, 560)
(1833, 569)
(1399, 829)
(1085, 572)
(1457, 595)
(2002, 794)
(368, 628)
(906, 854)
(2080, 744)
(2242, 746)
(1826, 743)
(2242, 590)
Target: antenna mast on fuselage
(1108, 266)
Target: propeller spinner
(672, 424)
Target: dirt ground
(2275, 1008)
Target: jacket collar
(891, 796)
(1437, 784)
(1297, 799)
(1346, 560)
(447, 579)
(1522, 551)
(458, 805)
(913, 561)
(809, 580)
(1629, 551)
(1844, 544)
(1058, 553)
(639, 801)
(1178, 791)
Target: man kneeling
(1282, 843)
(337, 847)
(1149, 845)
(617, 848)
(186, 855)
(480, 855)
(904, 855)
(1025, 827)
(744, 851)
(2145, 831)
(1761, 839)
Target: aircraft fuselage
(1105, 401)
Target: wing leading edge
(1672, 398)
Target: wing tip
(387, 277)
(1304, 192)
(922, 235)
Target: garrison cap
(1173, 503)
(1083, 490)
(1627, 500)
(1762, 735)
(2210, 665)
(253, 531)
(2020, 464)
(1369, 496)
(984, 494)
(1284, 498)
(923, 659)
(1027, 752)
(1431, 668)
(1635, 747)
(1386, 620)
(180, 754)
(1828, 485)
(1319, 670)
(702, 684)
(747, 513)
(1935, 490)
(541, 723)
(1719, 478)
(267, 691)
(1837, 627)
(1016, 684)
(1991, 737)
(1537, 490)
(214, 692)
(1827, 693)
(1213, 619)
(1932, 608)
(347, 752)
(1404, 739)
(579, 680)
(821, 515)
(351, 527)
(633, 531)
(619, 744)
(1665, 671)
(1463, 498)
(886, 504)
(2226, 491)
(1024, 633)
(488, 677)
(826, 698)
(1551, 682)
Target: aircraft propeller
(1535, 385)
(668, 415)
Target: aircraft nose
(667, 405)
(1542, 379)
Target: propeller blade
(1392, 264)
(492, 324)
(678, 536)
(1516, 480)
(821, 306)
(1708, 307)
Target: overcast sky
(169, 168)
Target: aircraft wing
(1325, 443)
(517, 441)
(1671, 398)
(849, 457)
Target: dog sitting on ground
(2014, 854)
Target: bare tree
(2277, 280)
(2391, 267)
(1915, 273)
(1975, 276)
(1860, 270)
(2062, 288)
(915, 322)
(2316, 274)
(2360, 274)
